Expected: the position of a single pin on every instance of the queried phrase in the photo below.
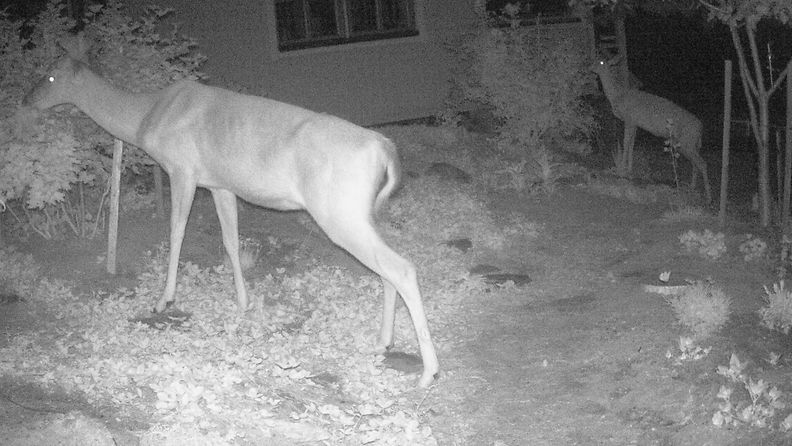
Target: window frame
(344, 36)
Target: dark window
(311, 23)
(535, 11)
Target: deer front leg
(226, 206)
(182, 193)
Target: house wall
(367, 83)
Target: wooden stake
(788, 153)
(112, 226)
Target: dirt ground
(578, 357)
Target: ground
(581, 355)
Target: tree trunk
(756, 96)
(764, 162)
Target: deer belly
(264, 189)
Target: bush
(777, 315)
(56, 170)
(707, 243)
(753, 248)
(533, 80)
(702, 307)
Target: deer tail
(392, 171)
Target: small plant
(690, 350)
(702, 307)
(777, 315)
(671, 145)
(764, 399)
(708, 244)
(513, 176)
(785, 258)
(753, 248)
(249, 253)
(137, 198)
(548, 169)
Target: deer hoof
(163, 306)
(427, 379)
(381, 349)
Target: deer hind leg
(359, 237)
(629, 145)
(388, 317)
(226, 206)
(700, 167)
(182, 193)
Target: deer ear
(76, 46)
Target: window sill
(296, 45)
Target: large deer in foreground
(266, 152)
(657, 116)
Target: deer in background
(266, 152)
(656, 115)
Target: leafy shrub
(61, 187)
(777, 315)
(764, 400)
(702, 307)
(532, 79)
(753, 248)
(706, 243)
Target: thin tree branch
(745, 78)
(779, 80)
(760, 83)
(738, 46)
(712, 7)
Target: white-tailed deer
(266, 152)
(657, 116)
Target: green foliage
(55, 169)
(533, 78)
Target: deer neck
(117, 111)
(613, 90)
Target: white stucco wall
(367, 83)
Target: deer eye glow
(51, 79)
